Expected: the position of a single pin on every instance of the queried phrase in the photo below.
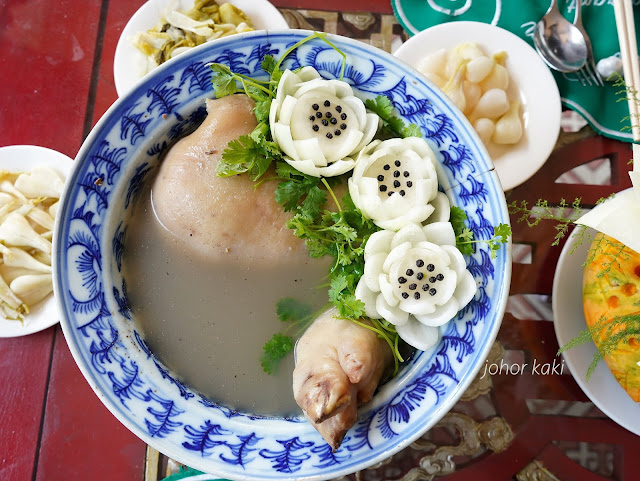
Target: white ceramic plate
(537, 91)
(129, 63)
(21, 158)
(602, 388)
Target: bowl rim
(500, 294)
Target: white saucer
(602, 388)
(22, 158)
(539, 94)
(129, 62)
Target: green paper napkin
(605, 108)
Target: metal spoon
(560, 43)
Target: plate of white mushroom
(500, 84)
(31, 182)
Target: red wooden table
(56, 80)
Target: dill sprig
(610, 333)
(600, 246)
(625, 94)
(563, 214)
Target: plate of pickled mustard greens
(163, 29)
(501, 86)
(31, 182)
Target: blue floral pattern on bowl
(123, 151)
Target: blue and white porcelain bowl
(123, 151)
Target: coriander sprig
(465, 239)
(253, 153)
(298, 316)
(392, 126)
(225, 82)
(501, 234)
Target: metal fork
(588, 74)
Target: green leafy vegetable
(342, 295)
(255, 152)
(275, 349)
(298, 315)
(501, 235)
(464, 236)
(223, 80)
(290, 309)
(563, 214)
(272, 67)
(340, 234)
(609, 249)
(244, 154)
(392, 126)
(294, 189)
(465, 240)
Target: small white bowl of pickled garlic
(31, 182)
(501, 86)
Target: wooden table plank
(120, 11)
(81, 439)
(24, 368)
(46, 53)
(77, 425)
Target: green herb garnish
(275, 349)
(610, 332)
(564, 215)
(466, 241)
(392, 126)
(290, 309)
(298, 315)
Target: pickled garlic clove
(484, 128)
(491, 105)
(434, 63)
(32, 288)
(509, 127)
(478, 68)
(498, 78)
(454, 89)
(472, 93)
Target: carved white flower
(319, 124)
(415, 278)
(394, 182)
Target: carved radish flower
(394, 182)
(416, 279)
(319, 124)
